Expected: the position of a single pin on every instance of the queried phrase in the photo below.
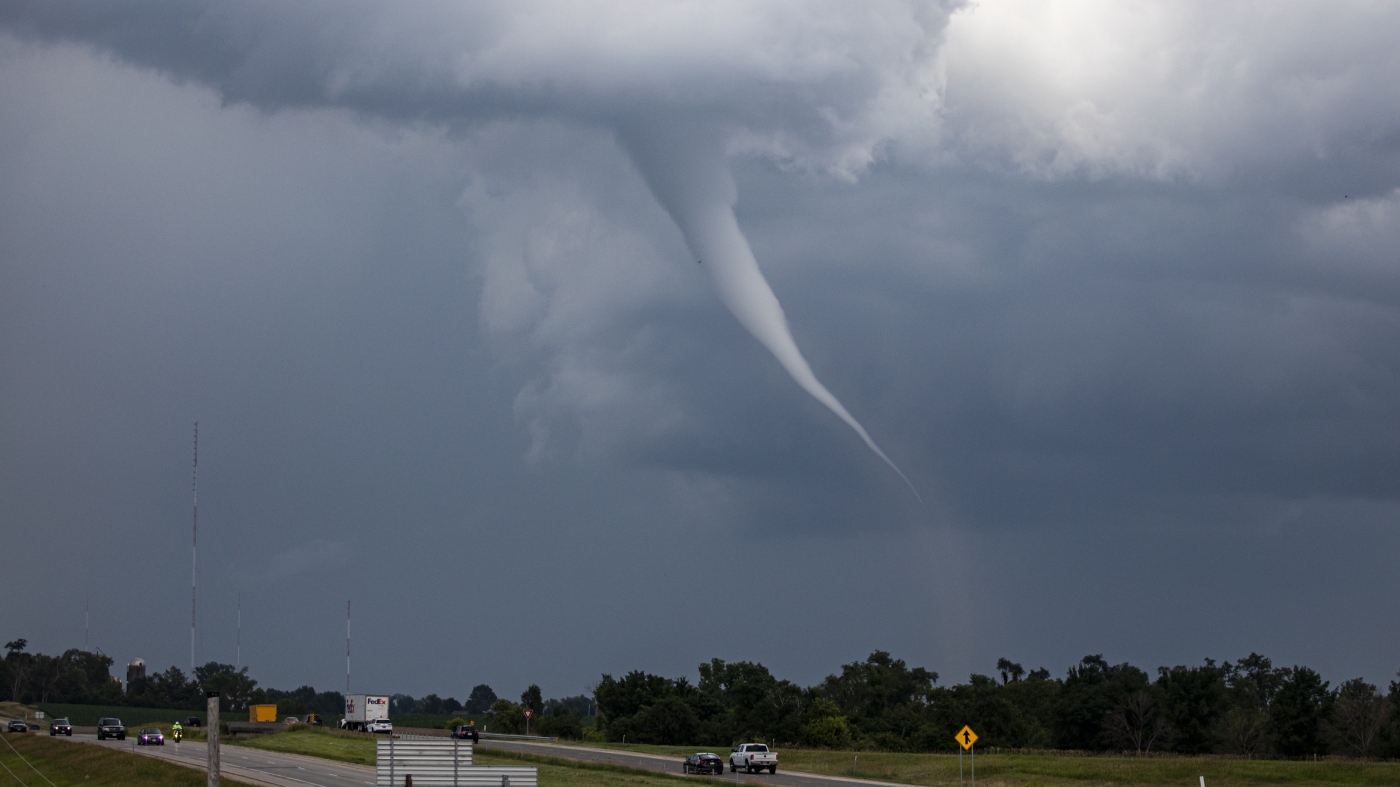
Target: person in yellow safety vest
(176, 731)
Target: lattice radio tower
(194, 545)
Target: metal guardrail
(434, 762)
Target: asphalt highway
(672, 765)
(272, 769)
(275, 769)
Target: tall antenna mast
(87, 618)
(194, 544)
(347, 648)
(238, 653)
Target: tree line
(1249, 708)
(84, 678)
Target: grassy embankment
(1069, 768)
(359, 748)
(68, 762)
(1046, 769)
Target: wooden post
(212, 698)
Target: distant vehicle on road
(466, 732)
(361, 709)
(193, 721)
(703, 762)
(312, 719)
(379, 725)
(150, 736)
(753, 757)
(110, 728)
(60, 727)
(17, 725)
(291, 720)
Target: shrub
(829, 732)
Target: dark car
(193, 721)
(466, 732)
(313, 720)
(16, 725)
(110, 728)
(150, 736)
(703, 762)
(61, 727)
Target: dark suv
(61, 727)
(466, 732)
(110, 728)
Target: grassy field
(87, 715)
(933, 770)
(1055, 769)
(67, 763)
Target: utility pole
(347, 648)
(238, 643)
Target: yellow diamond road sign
(966, 737)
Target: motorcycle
(177, 733)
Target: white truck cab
(751, 757)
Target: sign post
(212, 698)
(965, 738)
(528, 714)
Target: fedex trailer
(361, 709)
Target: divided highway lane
(672, 765)
(273, 769)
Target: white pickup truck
(751, 757)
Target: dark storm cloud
(1116, 286)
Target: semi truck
(361, 709)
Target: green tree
(866, 690)
(480, 699)
(669, 721)
(507, 717)
(234, 686)
(1010, 671)
(831, 732)
(619, 700)
(1298, 711)
(532, 699)
(17, 666)
(1091, 691)
(1192, 701)
(1358, 718)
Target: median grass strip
(72, 763)
(354, 747)
(359, 748)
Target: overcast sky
(1117, 287)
